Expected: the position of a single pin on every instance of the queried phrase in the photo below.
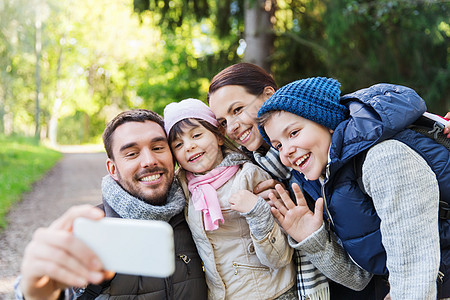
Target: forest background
(67, 67)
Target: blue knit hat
(315, 99)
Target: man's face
(143, 163)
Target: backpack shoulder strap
(432, 129)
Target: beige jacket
(237, 264)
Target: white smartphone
(135, 247)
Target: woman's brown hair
(253, 78)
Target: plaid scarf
(272, 164)
(311, 283)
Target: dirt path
(74, 180)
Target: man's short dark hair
(135, 115)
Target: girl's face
(303, 144)
(236, 110)
(197, 149)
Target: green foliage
(366, 42)
(376, 42)
(226, 14)
(300, 48)
(102, 57)
(22, 162)
(190, 55)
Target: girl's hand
(297, 220)
(447, 127)
(243, 201)
(264, 188)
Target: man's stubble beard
(159, 193)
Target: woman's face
(236, 110)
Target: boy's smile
(302, 144)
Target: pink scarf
(204, 193)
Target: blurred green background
(68, 67)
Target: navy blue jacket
(377, 113)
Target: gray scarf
(130, 207)
(233, 158)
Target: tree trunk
(258, 32)
(2, 109)
(38, 46)
(86, 126)
(53, 123)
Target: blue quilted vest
(377, 113)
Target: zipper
(169, 287)
(186, 260)
(237, 266)
(440, 278)
(327, 223)
(327, 177)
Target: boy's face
(303, 144)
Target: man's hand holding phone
(55, 259)
(79, 247)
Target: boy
(319, 134)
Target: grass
(22, 162)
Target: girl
(244, 252)
(380, 216)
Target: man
(139, 186)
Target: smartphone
(135, 247)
